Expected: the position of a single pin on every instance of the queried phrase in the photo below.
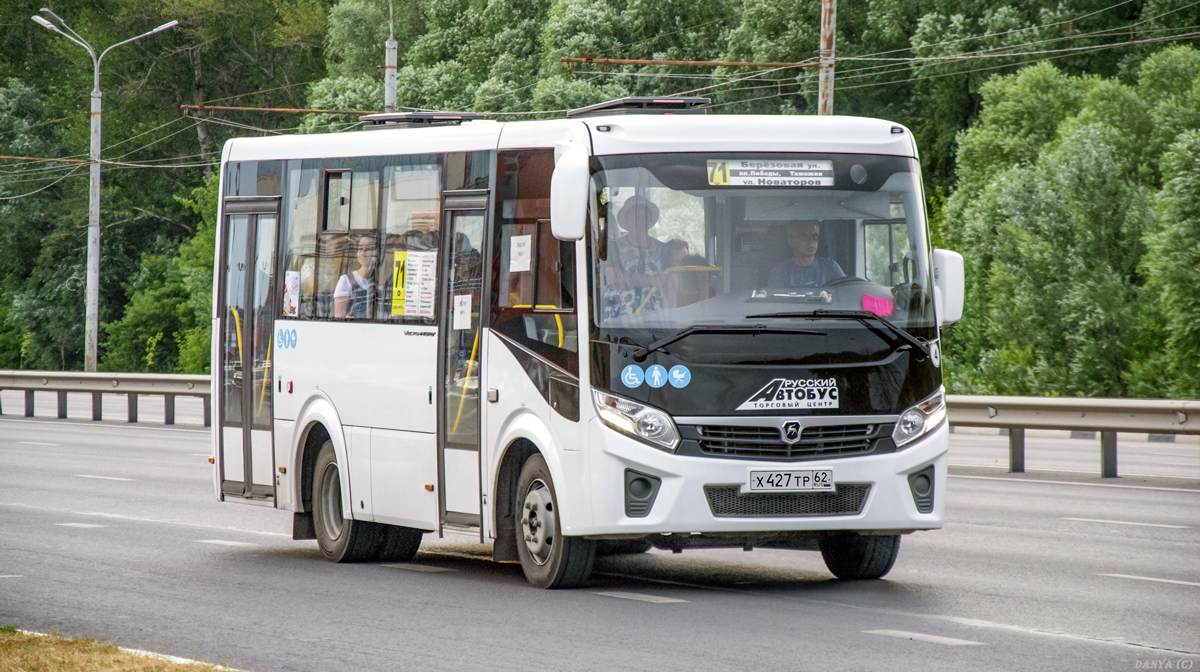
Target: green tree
(1173, 265)
(167, 323)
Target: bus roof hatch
(644, 105)
(417, 119)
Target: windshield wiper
(640, 353)
(864, 316)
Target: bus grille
(765, 442)
(726, 501)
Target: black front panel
(885, 381)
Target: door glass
(233, 333)
(263, 322)
(462, 320)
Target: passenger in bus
(355, 291)
(804, 268)
(679, 250)
(633, 275)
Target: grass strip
(30, 652)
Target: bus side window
(300, 212)
(533, 289)
(410, 212)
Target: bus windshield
(737, 239)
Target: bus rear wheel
(549, 559)
(340, 539)
(852, 558)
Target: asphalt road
(111, 531)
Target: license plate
(791, 481)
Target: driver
(804, 269)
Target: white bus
(635, 327)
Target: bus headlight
(637, 420)
(920, 419)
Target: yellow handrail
(266, 377)
(462, 399)
(237, 325)
(647, 299)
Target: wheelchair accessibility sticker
(633, 376)
(656, 376)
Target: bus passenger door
(459, 361)
(247, 461)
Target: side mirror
(948, 286)
(569, 192)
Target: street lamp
(92, 319)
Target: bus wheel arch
(518, 451)
(315, 435)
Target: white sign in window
(519, 254)
(462, 312)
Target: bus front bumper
(696, 494)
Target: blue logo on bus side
(632, 376)
(285, 339)
(679, 375)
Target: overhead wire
(11, 198)
(937, 75)
(254, 93)
(993, 35)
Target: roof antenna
(389, 70)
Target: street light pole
(828, 35)
(389, 73)
(92, 316)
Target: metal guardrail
(1016, 414)
(168, 386)
(1108, 416)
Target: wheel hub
(537, 522)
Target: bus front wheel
(851, 558)
(340, 539)
(549, 559)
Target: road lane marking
(136, 519)
(1150, 578)
(85, 526)
(1090, 485)
(11, 576)
(1125, 522)
(642, 598)
(997, 465)
(36, 443)
(224, 542)
(200, 454)
(922, 637)
(103, 478)
(420, 568)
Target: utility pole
(828, 33)
(389, 70)
(92, 316)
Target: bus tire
(340, 539)
(399, 544)
(855, 557)
(549, 559)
